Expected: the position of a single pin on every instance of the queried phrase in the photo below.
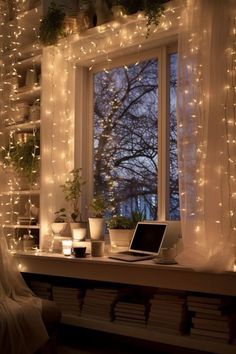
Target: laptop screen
(148, 237)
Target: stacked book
(98, 303)
(168, 313)
(26, 220)
(130, 313)
(210, 318)
(68, 299)
(41, 289)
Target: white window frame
(84, 121)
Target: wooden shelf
(27, 93)
(148, 334)
(27, 52)
(21, 192)
(16, 226)
(29, 62)
(24, 126)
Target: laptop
(145, 244)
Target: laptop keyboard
(130, 253)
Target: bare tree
(125, 137)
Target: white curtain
(21, 327)
(206, 100)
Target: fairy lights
(207, 109)
(58, 92)
(14, 25)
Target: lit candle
(66, 247)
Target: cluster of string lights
(196, 98)
(14, 27)
(58, 72)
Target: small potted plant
(23, 157)
(72, 190)
(153, 9)
(97, 223)
(121, 230)
(59, 223)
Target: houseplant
(120, 232)
(152, 9)
(52, 25)
(97, 223)
(121, 229)
(59, 223)
(72, 190)
(23, 157)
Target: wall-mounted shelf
(16, 226)
(28, 51)
(26, 93)
(25, 63)
(24, 126)
(21, 192)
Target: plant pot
(97, 227)
(120, 239)
(58, 227)
(77, 225)
(79, 234)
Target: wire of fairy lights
(12, 32)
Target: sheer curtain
(21, 327)
(206, 111)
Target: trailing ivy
(52, 25)
(23, 157)
(153, 9)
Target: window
(126, 135)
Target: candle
(66, 247)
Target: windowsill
(145, 273)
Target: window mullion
(163, 136)
(82, 132)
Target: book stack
(68, 299)
(168, 313)
(41, 289)
(130, 313)
(98, 303)
(209, 318)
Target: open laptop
(145, 244)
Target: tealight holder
(66, 247)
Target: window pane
(125, 137)
(174, 184)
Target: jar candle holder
(66, 247)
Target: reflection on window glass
(125, 138)
(174, 212)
